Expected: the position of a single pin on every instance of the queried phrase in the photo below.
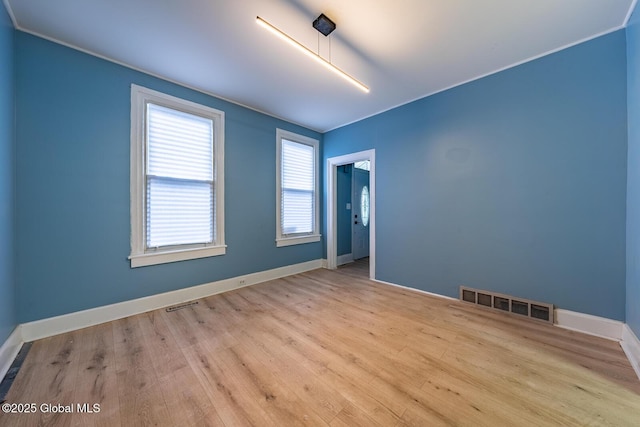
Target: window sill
(154, 258)
(298, 240)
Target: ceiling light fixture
(311, 54)
(324, 25)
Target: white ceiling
(402, 49)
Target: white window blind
(180, 187)
(298, 188)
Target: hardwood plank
(232, 309)
(324, 400)
(47, 377)
(140, 398)
(222, 388)
(350, 382)
(186, 400)
(167, 356)
(352, 416)
(195, 324)
(96, 382)
(260, 385)
(513, 376)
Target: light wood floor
(328, 348)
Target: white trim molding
(81, 319)
(588, 324)
(344, 259)
(148, 259)
(631, 346)
(297, 240)
(9, 350)
(419, 291)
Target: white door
(360, 214)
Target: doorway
(353, 212)
(362, 204)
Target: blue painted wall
(343, 215)
(633, 173)
(72, 134)
(514, 183)
(8, 319)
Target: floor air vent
(519, 306)
(181, 306)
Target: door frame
(332, 227)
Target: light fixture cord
(318, 49)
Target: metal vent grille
(518, 306)
(181, 306)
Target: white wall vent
(506, 303)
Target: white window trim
(315, 235)
(140, 257)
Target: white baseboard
(588, 324)
(420, 291)
(81, 319)
(344, 259)
(9, 350)
(631, 346)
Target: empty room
(323, 213)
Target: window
(298, 213)
(364, 205)
(177, 179)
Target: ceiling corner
(12, 16)
(629, 13)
